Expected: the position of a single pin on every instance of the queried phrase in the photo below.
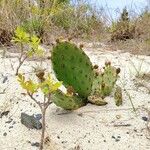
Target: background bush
(50, 19)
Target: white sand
(90, 127)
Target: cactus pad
(72, 66)
(104, 82)
(118, 96)
(66, 101)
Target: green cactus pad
(67, 102)
(103, 83)
(72, 66)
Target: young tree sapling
(47, 86)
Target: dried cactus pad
(72, 66)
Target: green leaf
(35, 47)
(48, 86)
(21, 36)
(29, 85)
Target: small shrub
(45, 85)
(28, 45)
(123, 29)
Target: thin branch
(43, 106)
(21, 61)
(38, 103)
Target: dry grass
(134, 46)
(139, 41)
(81, 22)
(49, 20)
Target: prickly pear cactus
(104, 82)
(72, 66)
(68, 102)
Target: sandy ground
(88, 128)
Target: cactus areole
(72, 66)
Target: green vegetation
(27, 25)
(75, 68)
(104, 82)
(83, 82)
(47, 86)
(78, 75)
(28, 46)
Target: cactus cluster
(72, 66)
(104, 82)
